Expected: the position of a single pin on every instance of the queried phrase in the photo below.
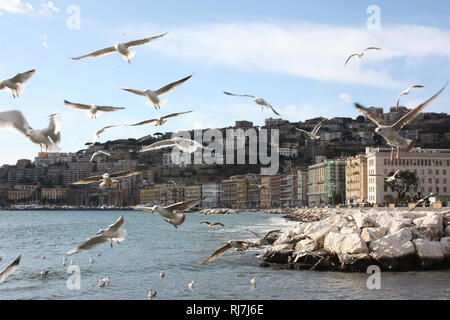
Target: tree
(406, 182)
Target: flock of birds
(49, 138)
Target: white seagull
(122, 48)
(10, 269)
(153, 96)
(16, 85)
(260, 101)
(392, 178)
(390, 133)
(238, 245)
(92, 110)
(169, 213)
(49, 137)
(159, 121)
(406, 92)
(152, 294)
(361, 54)
(313, 134)
(96, 154)
(100, 131)
(108, 180)
(113, 233)
(185, 145)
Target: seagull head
(106, 176)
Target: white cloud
(345, 97)
(49, 8)
(313, 51)
(15, 6)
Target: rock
(340, 244)
(305, 246)
(319, 236)
(363, 221)
(372, 234)
(432, 220)
(278, 253)
(398, 225)
(395, 251)
(445, 243)
(447, 232)
(430, 253)
(289, 237)
(350, 230)
(428, 233)
(355, 262)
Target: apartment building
(211, 195)
(302, 187)
(356, 179)
(265, 193)
(54, 193)
(326, 183)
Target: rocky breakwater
(353, 241)
(218, 211)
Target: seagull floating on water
(406, 92)
(113, 233)
(108, 180)
(152, 294)
(153, 96)
(313, 134)
(103, 282)
(260, 101)
(390, 133)
(92, 110)
(361, 54)
(10, 269)
(16, 85)
(49, 137)
(122, 48)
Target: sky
(291, 53)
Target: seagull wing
(353, 55)
(14, 119)
(135, 91)
(206, 222)
(117, 225)
(144, 41)
(125, 174)
(89, 244)
(318, 126)
(23, 77)
(218, 224)
(109, 108)
(216, 254)
(9, 270)
(269, 233)
(97, 54)
(171, 86)
(301, 130)
(239, 95)
(257, 235)
(77, 106)
(143, 123)
(268, 105)
(368, 114)
(183, 206)
(88, 180)
(54, 128)
(173, 115)
(371, 48)
(159, 145)
(410, 116)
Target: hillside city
(348, 165)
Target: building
(264, 193)
(432, 167)
(211, 195)
(356, 180)
(326, 183)
(288, 190)
(253, 186)
(193, 192)
(302, 187)
(275, 191)
(54, 194)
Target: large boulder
(395, 251)
(430, 253)
(447, 232)
(445, 243)
(429, 233)
(289, 237)
(278, 253)
(400, 224)
(372, 234)
(350, 230)
(364, 221)
(432, 220)
(319, 236)
(355, 262)
(306, 245)
(340, 244)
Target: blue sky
(291, 53)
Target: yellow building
(54, 193)
(15, 195)
(264, 192)
(318, 184)
(356, 179)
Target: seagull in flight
(185, 145)
(159, 121)
(122, 48)
(96, 154)
(153, 96)
(113, 233)
(169, 213)
(10, 269)
(16, 85)
(100, 131)
(313, 134)
(390, 133)
(49, 137)
(392, 178)
(260, 101)
(212, 225)
(92, 110)
(238, 245)
(406, 92)
(422, 201)
(361, 54)
(263, 240)
(108, 180)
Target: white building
(211, 195)
(432, 167)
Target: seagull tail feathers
(130, 55)
(122, 234)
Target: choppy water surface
(153, 246)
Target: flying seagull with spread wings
(112, 234)
(169, 213)
(98, 153)
(391, 133)
(422, 201)
(49, 137)
(313, 134)
(92, 110)
(393, 177)
(100, 131)
(108, 180)
(122, 48)
(185, 145)
(159, 121)
(260, 101)
(153, 96)
(212, 225)
(16, 85)
(263, 240)
(361, 54)
(406, 92)
(9, 270)
(238, 245)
